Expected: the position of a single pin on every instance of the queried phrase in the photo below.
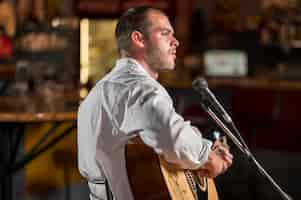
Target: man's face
(160, 44)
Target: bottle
(6, 45)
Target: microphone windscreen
(199, 83)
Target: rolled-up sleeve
(152, 114)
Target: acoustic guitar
(152, 178)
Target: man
(129, 102)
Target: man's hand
(219, 160)
(224, 153)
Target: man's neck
(148, 69)
(154, 74)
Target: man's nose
(175, 42)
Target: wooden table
(15, 113)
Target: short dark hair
(134, 19)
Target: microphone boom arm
(225, 129)
(246, 151)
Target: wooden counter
(256, 83)
(247, 83)
(36, 109)
(37, 117)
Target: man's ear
(137, 39)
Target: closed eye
(166, 32)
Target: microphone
(208, 99)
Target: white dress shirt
(128, 102)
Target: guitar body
(152, 178)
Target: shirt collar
(138, 66)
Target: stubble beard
(158, 60)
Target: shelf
(113, 9)
(7, 71)
(296, 43)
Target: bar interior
(52, 52)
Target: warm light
(84, 74)
(84, 51)
(55, 22)
(83, 92)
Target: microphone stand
(245, 150)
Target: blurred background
(53, 51)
